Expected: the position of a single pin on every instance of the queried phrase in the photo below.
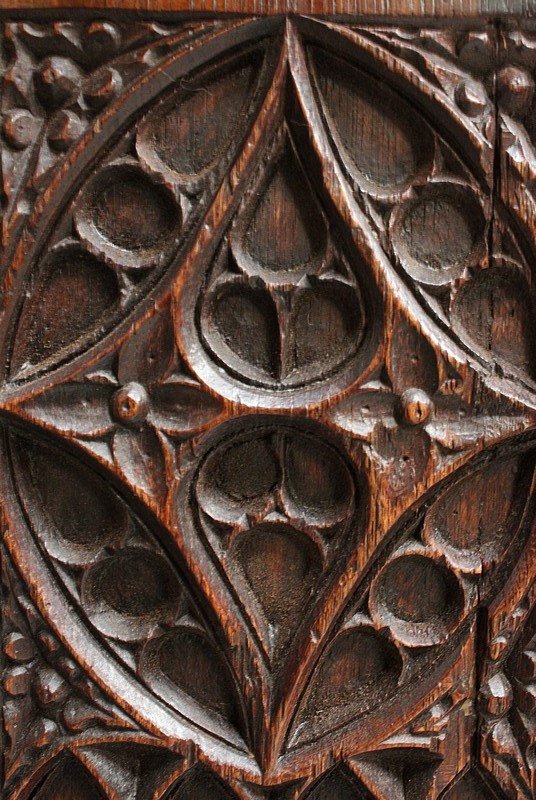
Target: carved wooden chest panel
(268, 403)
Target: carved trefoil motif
(268, 404)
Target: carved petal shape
(362, 412)
(140, 458)
(182, 666)
(475, 520)
(412, 361)
(180, 407)
(78, 409)
(82, 286)
(375, 130)
(238, 480)
(180, 137)
(326, 325)
(284, 200)
(242, 322)
(76, 516)
(279, 567)
(359, 671)
(148, 354)
(129, 594)
(419, 598)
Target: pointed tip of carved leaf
(148, 354)
(360, 413)
(78, 409)
(180, 407)
(139, 456)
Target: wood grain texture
(380, 9)
(268, 404)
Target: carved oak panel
(268, 408)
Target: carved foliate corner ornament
(268, 409)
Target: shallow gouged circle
(241, 327)
(439, 233)
(328, 323)
(385, 143)
(125, 217)
(317, 484)
(494, 313)
(238, 478)
(129, 594)
(418, 598)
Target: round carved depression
(304, 476)
(126, 217)
(129, 594)
(494, 311)
(419, 598)
(439, 233)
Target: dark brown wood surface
(268, 401)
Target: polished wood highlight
(268, 402)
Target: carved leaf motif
(473, 522)
(82, 286)
(127, 588)
(134, 213)
(317, 239)
(374, 128)
(360, 670)
(178, 138)
(260, 507)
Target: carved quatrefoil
(252, 385)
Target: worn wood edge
(431, 10)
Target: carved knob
(515, 88)
(416, 406)
(130, 404)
